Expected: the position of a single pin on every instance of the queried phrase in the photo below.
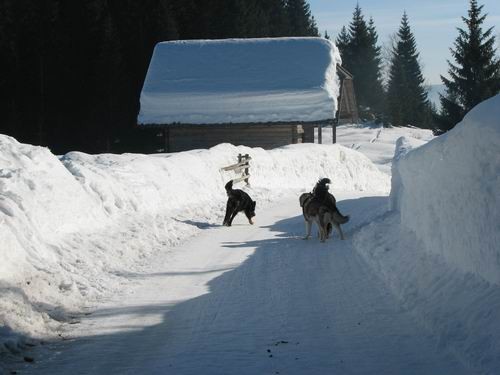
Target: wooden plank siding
(347, 107)
(183, 137)
(268, 136)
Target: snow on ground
(241, 81)
(254, 300)
(71, 226)
(99, 233)
(438, 249)
(376, 141)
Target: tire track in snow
(255, 300)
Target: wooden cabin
(347, 112)
(267, 92)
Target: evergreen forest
(72, 71)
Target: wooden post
(243, 167)
(246, 169)
(320, 134)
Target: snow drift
(377, 142)
(439, 252)
(241, 81)
(451, 193)
(71, 225)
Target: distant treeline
(401, 99)
(71, 72)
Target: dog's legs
(229, 207)
(233, 215)
(328, 230)
(322, 236)
(321, 232)
(322, 226)
(339, 229)
(308, 230)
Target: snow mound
(438, 250)
(74, 226)
(450, 193)
(241, 81)
(376, 141)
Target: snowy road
(254, 300)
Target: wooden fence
(241, 167)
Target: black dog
(237, 201)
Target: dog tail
(339, 218)
(229, 186)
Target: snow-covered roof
(241, 81)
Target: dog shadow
(199, 224)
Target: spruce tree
(277, 18)
(302, 22)
(406, 97)
(342, 41)
(361, 56)
(476, 74)
(110, 84)
(7, 67)
(374, 64)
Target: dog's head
(323, 184)
(321, 189)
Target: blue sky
(433, 22)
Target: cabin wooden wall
(191, 137)
(348, 108)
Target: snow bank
(451, 193)
(241, 81)
(376, 141)
(438, 250)
(72, 225)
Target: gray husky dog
(320, 207)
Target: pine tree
(342, 41)
(267, 18)
(302, 23)
(476, 74)
(361, 56)
(374, 63)
(406, 97)
(279, 24)
(7, 67)
(110, 80)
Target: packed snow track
(254, 300)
